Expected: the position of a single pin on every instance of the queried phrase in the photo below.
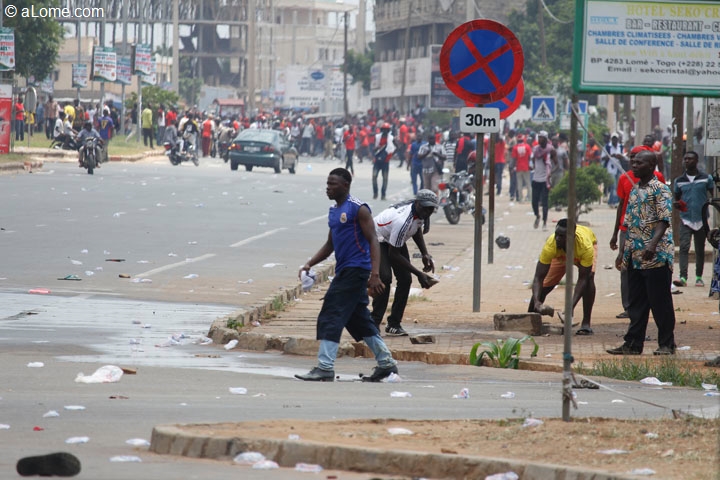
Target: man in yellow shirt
(550, 270)
(69, 112)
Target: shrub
(587, 188)
(502, 353)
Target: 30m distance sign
(480, 120)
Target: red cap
(385, 125)
(640, 148)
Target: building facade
(402, 73)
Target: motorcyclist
(64, 133)
(171, 135)
(189, 129)
(225, 135)
(87, 132)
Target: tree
(587, 188)
(37, 39)
(153, 95)
(189, 84)
(358, 65)
(553, 78)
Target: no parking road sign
(481, 61)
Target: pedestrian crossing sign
(543, 109)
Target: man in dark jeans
(647, 250)
(691, 190)
(394, 227)
(352, 238)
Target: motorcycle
(91, 154)
(177, 156)
(71, 144)
(224, 150)
(457, 196)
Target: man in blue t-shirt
(357, 273)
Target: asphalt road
(230, 225)
(236, 236)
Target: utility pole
(345, 66)
(138, 42)
(405, 59)
(541, 26)
(176, 47)
(251, 60)
(676, 167)
(102, 45)
(79, 52)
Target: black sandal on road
(584, 331)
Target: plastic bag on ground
(265, 465)
(503, 476)
(125, 458)
(106, 374)
(249, 458)
(308, 468)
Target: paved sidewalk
(445, 311)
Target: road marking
(175, 265)
(257, 237)
(306, 222)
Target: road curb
(176, 440)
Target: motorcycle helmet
(502, 242)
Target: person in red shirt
(349, 141)
(19, 120)
(207, 129)
(319, 137)
(171, 115)
(626, 182)
(403, 141)
(499, 162)
(521, 153)
(592, 153)
(363, 138)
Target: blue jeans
(416, 177)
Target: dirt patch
(685, 448)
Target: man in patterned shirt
(646, 250)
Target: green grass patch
(118, 145)
(680, 372)
(235, 323)
(12, 157)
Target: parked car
(262, 148)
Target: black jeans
(147, 134)
(650, 291)
(540, 195)
(402, 289)
(698, 239)
(378, 167)
(349, 161)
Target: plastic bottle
(307, 279)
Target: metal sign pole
(491, 199)
(569, 263)
(477, 252)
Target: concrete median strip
(190, 441)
